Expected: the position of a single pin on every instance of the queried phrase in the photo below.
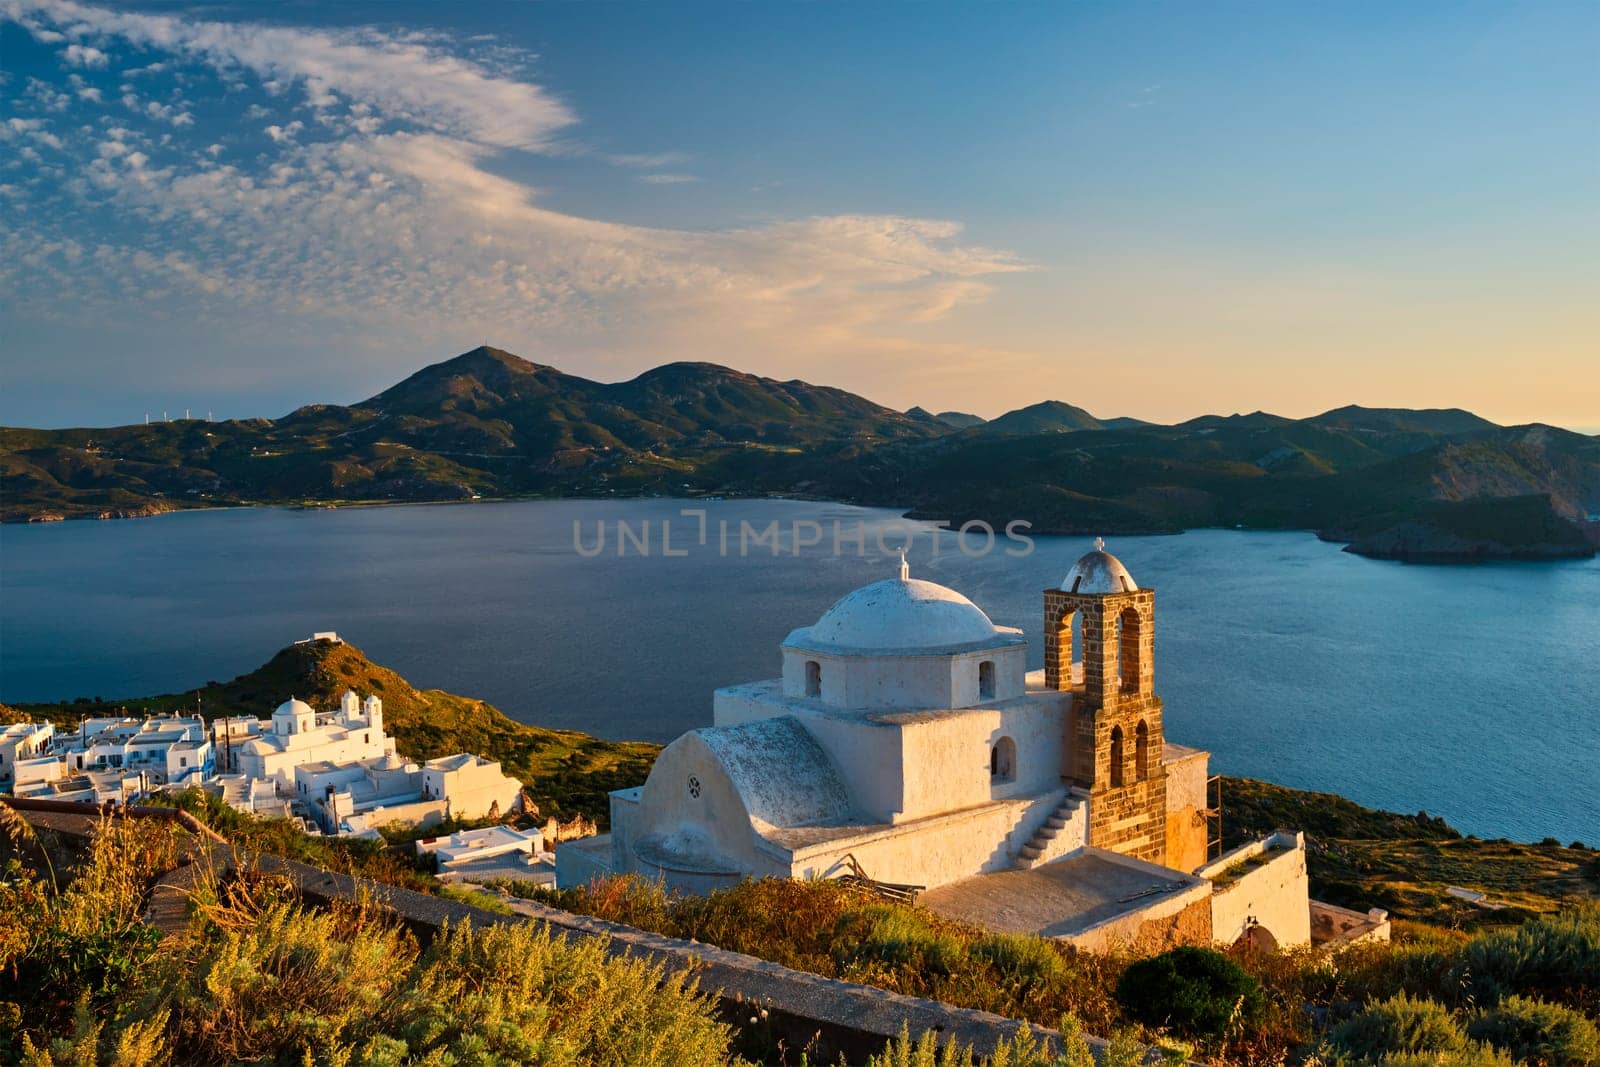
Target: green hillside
(1440, 485)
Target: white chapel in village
(907, 744)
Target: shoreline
(1454, 556)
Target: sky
(1156, 210)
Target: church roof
(783, 776)
(900, 615)
(294, 706)
(1099, 572)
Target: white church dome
(1099, 572)
(294, 706)
(897, 615)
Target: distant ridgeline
(1440, 485)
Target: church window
(1003, 761)
(986, 680)
(1141, 751)
(694, 787)
(813, 678)
(1129, 628)
(1116, 757)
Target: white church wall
(624, 826)
(689, 799)
(1262, 884)
(1010, 672)
(869, 760)
(901, 681)
(933, 852)
(746, 703)
(946, 758)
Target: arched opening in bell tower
(1116, 757)
(1130, 630)
(1141, 751)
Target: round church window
(694, 787)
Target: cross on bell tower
(1114, 736)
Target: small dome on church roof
(1099, 572)
(294, 706)
(899, 614)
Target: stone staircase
(1040, 843)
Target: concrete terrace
(1065, 899)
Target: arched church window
(1003, 760)
(1141, 751)
(1116, 757)
(1129, 628)
(986, 680)
(813, 678)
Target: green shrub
(899, 938)
(1021, 960)
(1198, 992)
(284, 980)
(1554, 958)
(1398, 1026)
(1023, 1049)
(1472, 1054)
(259, 977)
(511, 993)
(1537, 1033)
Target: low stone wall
(805, 1011)
(1334, 927)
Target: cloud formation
(362, 195)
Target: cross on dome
(1099, 544)
(905, 568)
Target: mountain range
(1413, 484)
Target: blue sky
(1156, 210)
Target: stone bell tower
(1114, 736)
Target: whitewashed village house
(907, 742)
(297, 735)
(22, 748)
(492, 853)
(337, 771)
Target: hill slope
(1049, 416)
(1439, 485)
(565, 772)
(1406, 864)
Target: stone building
(906, 742)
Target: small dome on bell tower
(1099, 572)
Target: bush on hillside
(1399, 1026)
(259, 977)
(1473, 1054)
(1537, 1033)
(1021, 960)
(1554, 958)
(897, 938)
(1198, 992)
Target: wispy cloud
(369, 204)
(404, 79)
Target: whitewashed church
(907, 744)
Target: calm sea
(1472, 692)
